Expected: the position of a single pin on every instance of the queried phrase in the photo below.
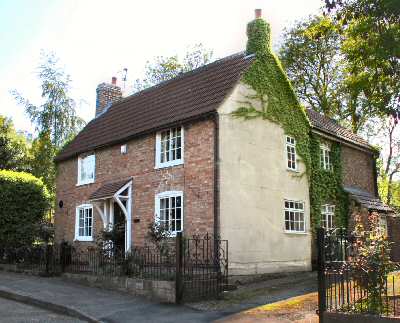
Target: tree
(311, 56)
(42, 165)
(371, 45)
(14, 148)
(56, 115)
(55, 118)
(166, 68)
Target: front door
(119, 227)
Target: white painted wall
(254, 183)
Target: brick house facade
(174, 154)
(195, 178)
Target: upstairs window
(291, 159)
(169, 147)
(84, 223)
(327, 216)
(169, 211)
(325, 157)
(86, 169)
(294, 216)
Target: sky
(96, 40)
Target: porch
(113, 202)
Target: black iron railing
(199, 264)
(343, 287)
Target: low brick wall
(162, 291)
(356, 318)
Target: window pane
(178, 225)
(178, 214)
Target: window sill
(84, 239)
(296, 232)
(293, 170)
(173, 234)
(169, 164)
(84, 183)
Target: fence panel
(198, 265)
(342, 287)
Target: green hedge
(24, 201)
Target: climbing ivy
(277, 102)
(273, 91)
(326, 185)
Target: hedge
(24, 201)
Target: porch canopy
(367, 200)
(103, 199)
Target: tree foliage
(166, 68)
(311, 56)
(14, 147)
(372, 49)
(56, 115)
(24, 203)
(55, 118)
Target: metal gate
(203, 267)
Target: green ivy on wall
(279, 104)
(326, 185)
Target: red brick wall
(394, 236)
(195, 178)
(358, 169)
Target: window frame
(326, 212)
(175, 162)
(294, 210)
(169, 194)
(291, 145)
(78, 237)
(80, 161)
(325, 150)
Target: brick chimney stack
(258, 13)
(107, 94)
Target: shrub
(24, 201)
(372, 261)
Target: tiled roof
(330, 126)
(367, 200)
(191, 95)
(108, 189)
(188, 96)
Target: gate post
(321, 274)
(63, 256)
(47, 259)
(179, 268)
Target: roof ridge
(184, 74)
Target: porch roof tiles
(367, 200)
(108, 189)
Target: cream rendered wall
(254, 182)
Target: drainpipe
(216, 176)
(375, 173)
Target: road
(15, 312)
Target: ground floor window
(84, 223)
(327, 216)
(294, 216)
(169, 211)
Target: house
(224, 149)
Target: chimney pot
(114, 80)
(258, 13)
